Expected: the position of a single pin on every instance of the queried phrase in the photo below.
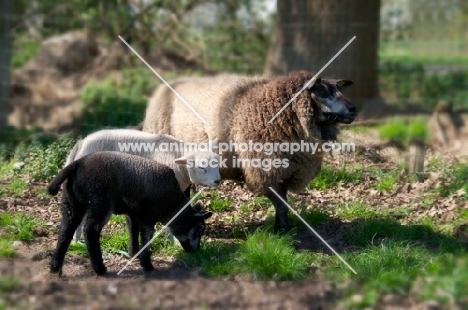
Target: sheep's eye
(204, 169)
(322, 92)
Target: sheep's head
(331, 106)
(203, 166)
(191, 226)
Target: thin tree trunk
(308, 33)
(5, 46)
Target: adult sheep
(106, 183)
(238, 109)
(162, 148)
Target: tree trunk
(308, 33)
(5, 46)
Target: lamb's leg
(134, 228)
(71, 218)
(147, 232)
(79, 230)
(92, 232)
(281, 210)
(168, 233)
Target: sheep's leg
(71, 218)
(92, 232)
(79, 230)
(147, 232)
(281, 210)
(134, 228)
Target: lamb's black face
(333, 106)
(189, 234)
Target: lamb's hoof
(100, 271)
(54, 269)
(148, 269)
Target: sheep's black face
(332, 106)
(189, 233)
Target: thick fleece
(106, 183)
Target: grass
(17, 187)
(266, 256)
(219, 205)
(396, 130)
(453, 52)
(18, 226)
(6, 249)
(263, 256)
(329, 177)
(454, 181)
(387, 181)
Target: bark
(5, 47)
(308, 33)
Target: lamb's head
(202, 165)
(331, 106)
(191, 226)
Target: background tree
(5, 47)
(308, 33)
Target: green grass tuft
(6, 249)
(18, 226)
(454, 181)
(266, 256)
(396, 130)
(329, 177)
(17, 187)
(219, 205)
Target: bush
(117, 103)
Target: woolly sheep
(104, 183)
(114, 139)
(238, 108)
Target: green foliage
(24, 51)
(454, 180)
(214, 258)
(417, 130)
(17, 187)
(401, 81)
(43, 162)
(266, 256)
(7, 284)
(18, 226)
(330, 177)
(219, 205)
(387, 181)
(6, 249)
(445, 281)
(396, 129)
(116, 103)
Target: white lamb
(189, 164)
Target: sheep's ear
(184, 160)
(203, 215)
(315, 83)
(198, 206)
(214, 144)
(342, 83)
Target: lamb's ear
(315, 83)
(214, 145)
(203, 215)
(342, 83)
(184, 160)
(198, 206)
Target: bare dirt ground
(173, 285)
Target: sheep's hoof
(148, 269)
(100, 271)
